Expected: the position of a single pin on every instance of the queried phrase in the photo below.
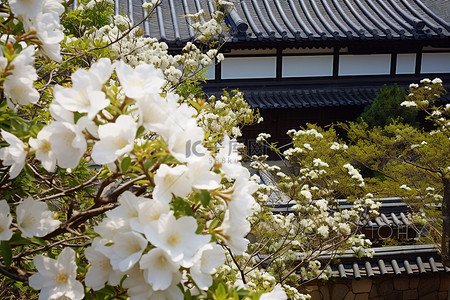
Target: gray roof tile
(302, 21)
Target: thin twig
(66, 192)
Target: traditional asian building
(317, 61)
(322, 61)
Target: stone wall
(426, 287)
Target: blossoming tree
(399, 160)
(119, 179)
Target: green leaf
(220, 293)
(17, 240)
(6, 253)
(125, 164)
(149, 163)
(200, 229)
(38, 241)
(205, 198)
(137, 169)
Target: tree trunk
(446, 223)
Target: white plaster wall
(211, 71)
(307, 66)
(249, 67)
(435, 63)
(406, 63)
(371, 64)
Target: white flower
(176, 237)
(307, 194)
(262, 136)
(201, 176)
(102, 70)
(101, 270)
(18, 86)
(170, 181)
(323, 231)
(109, 227)
(345, 228)
(436, 81)
(308, 146)
(116, 139)
(140, 80)
(5, 221)
(229, 158)
(61, 114)
(43, 147)
(19, 90)
(137, 287)
(156, 112)
(413, 85)
(148, 212)
(85, 95)
(129, 206)
(354, 173)
(233, 230)
(405, 187)
(34, 218)
(159, 268)
(14, 155)
(185, 139)
(322, 204)
(126, 250)
(408, 104)
(49, 34)
(57, 278)
(241, 202)
(53, 7)
(205, 262)
(67, 144)
(26, 8)
(276, 294)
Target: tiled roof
(405, 260)
(294, 96)
(393, 212)
(301, 20)
(343, 19)
(391, 261)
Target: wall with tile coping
(424, 287)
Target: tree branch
(15, 276)
(65, 192)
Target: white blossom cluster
(424, 97)
(337, 146)
(354, 173)
(211, 29)
(135, 48)
(312, 131)
(42, 18)
(140, 224)
(141, 238)
(18, 85)
(226, 114)
(33, 219)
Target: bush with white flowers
(113, 184)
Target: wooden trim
(279, 64)
(393, 64)
(418, 62)
(218, 71)
(336, 62)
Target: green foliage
(386, 108)
(77, 22)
